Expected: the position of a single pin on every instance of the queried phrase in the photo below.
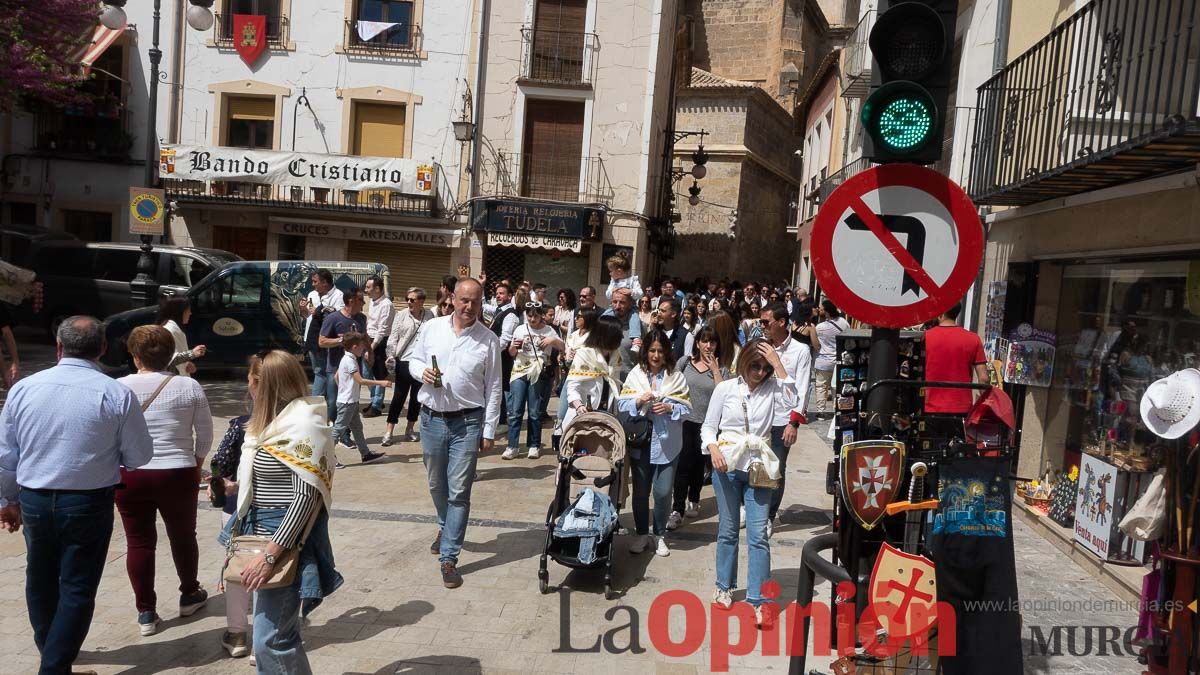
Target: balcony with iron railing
(87, 131)
(402, 39)
(277, 30)
(856, 58)
(835, 180)
(245, 193)
(1108, 97)
(580, 180)
(561, 58)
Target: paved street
(393, 615)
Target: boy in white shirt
(349, 388)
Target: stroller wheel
(543, 586)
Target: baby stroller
(591, 454)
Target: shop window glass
(1121, 326)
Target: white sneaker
(534, 452)
(723, 599)
(640, 543)
(662, 551)
(412, 437)
(386, 441)
(674, 520)
(693, 510)
(762, 619)
(742, 520)
(509, 453)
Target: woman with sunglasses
(445, 303)
(564, 311)
(737, 436)
(531, 348)
(646, 310)
(400, 345)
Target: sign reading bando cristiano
(342, 172)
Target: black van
(245, 307)
(93, 278)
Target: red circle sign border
(966, 221)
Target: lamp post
(144, 287)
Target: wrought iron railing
(834, 180)
(1108, 81)
(401, 39)
(277, 30)
(582, 180)
(558, 57)
(856, 58)
(76, 131)
(266, 194)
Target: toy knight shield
(871, 473)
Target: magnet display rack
(850, 381)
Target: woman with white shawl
(285, 479)
(737, 434)
(655, 389)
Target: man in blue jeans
(322, 300)
(57, 477)
(460, 407)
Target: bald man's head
(468, 302)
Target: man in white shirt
(324, 299)
(797, 361)
(460, 408)
(380, 314)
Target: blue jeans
(523, 396)
(733, 490)
(317, 360)
(450, 449)
(349, 422)
(377, 372)
(278, 647)
(781, 451)
(331, 397)
(66, 540)
(658, 479)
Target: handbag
(161, 386)
(757, 471)
(243, 548)
(637, 430)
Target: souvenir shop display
(1062, 499)
(1030, 358)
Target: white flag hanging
(369, 29)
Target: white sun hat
(1171, 406)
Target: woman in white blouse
(180, 424)
(737, 433)
(174, 312)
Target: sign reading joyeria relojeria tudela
(553, 221)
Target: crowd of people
(711, 386)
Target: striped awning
(102, 39)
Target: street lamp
(694, 191)
(464, 129)
(144, 287)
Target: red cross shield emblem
(903, 593)
(870, 473)
(249, 36)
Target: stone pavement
(393, 615)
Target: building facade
(574, 117)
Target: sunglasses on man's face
(413, 299)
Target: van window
(186, 271)
(118, 264)
(64, 261)
(240, 290)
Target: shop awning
(102, 39)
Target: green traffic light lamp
(901, 116)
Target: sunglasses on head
(533, 305)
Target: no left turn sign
(897, 245)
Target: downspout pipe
(480, 97)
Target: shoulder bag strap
(147, 402)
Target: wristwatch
(269, 558)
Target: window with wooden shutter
(558, 40)
(250, 121)
(553, 150)
(378, 130)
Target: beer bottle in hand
(437, 378)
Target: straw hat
(1171, 406)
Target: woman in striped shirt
(283, 491)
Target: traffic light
(905, 113)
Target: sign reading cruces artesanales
(342, 172)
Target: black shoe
(450, 576)
(372, 457)
(192, 602)
(372, 412)
(436, 547)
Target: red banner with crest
(249, 36)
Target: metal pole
(144, 287)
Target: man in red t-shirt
(952, 354)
